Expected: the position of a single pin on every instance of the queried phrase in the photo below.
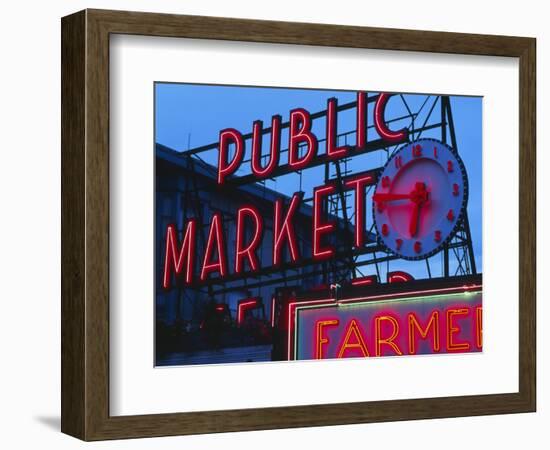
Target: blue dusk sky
(192, 115)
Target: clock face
(420, 198)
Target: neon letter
(452, 330)
(359, 185)
(285, 231)
(361, 120)
(333, 151)
(353, 328)
(274, 150)
(186, 253)
(248, 251)
(389, 340)
(479, 327)
(227, 136)
(320, 339)
(244, 305)
(320, 228)
(216, 234)
(300, 131)
(380, 123)
(433, 322)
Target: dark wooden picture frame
(85, 224)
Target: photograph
(302, 224)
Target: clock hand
(419, 196)
(413, 226)
(390, 197)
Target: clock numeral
(398, 162)
(435, 152)
(418, 246)
(417, 150)
(385, 229)
(455, 189)
(398, 243)
(450, 215)
(437, 236)
(449, 166)
(386, 182)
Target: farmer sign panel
(426, 322)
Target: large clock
(420, 199)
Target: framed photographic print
(270, 224)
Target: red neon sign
(301, 135)
(180, 258)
